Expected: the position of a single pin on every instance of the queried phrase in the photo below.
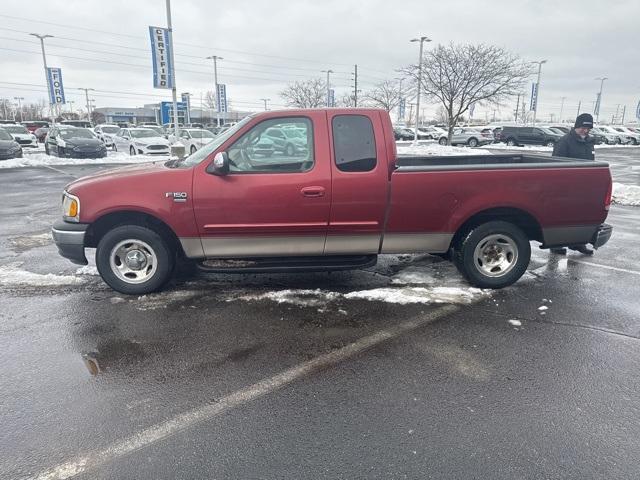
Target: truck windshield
(199, 155)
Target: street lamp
(328, 72)
(265, 100)
(421, 40)
(215, 59)
(535, 109)
(86, 94)
(46, 72)
(599, 99)
(19, 99)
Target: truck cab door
(360, 183)
(270, 203)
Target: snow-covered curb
(42, 159)
(626, 194)
(439, 150)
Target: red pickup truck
(326, 190)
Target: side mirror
(220, 164)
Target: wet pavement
(303, 376)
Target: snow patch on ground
(39, 159)
(87, 270)
(26, 242)
(155, 301)
(439, 150)
(12, 275)
(409, 295)
(626, 194)
(515, 323)
(302, 298)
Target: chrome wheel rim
(495, 255)
(133, 261)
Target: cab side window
(354, 144)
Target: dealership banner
(56, 89)
(222, 97)
(534, 97)
(596, 109)
(161, 57)
(402, 108)
(638, 111)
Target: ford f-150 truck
(346, 197)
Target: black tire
(634, 141)
(472, 142)
(163, 256)
(471, 268)
(443, 141)
(115, 149)
(132, 151)
(512, 142)
(193, 149)
(46, 149)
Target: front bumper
(602, 235)
(69, 238)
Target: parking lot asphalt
(317, 375)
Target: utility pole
(328, 72)
(535, 110)
(174, 92)
(400, 95)
(355, 85)
(19, 99)
(215, 59)
(88, 104)
(598, 104)
(265, 100)
(421, 40)
(561, 108)
(46, 72)
(517, 108)
(579, 105)
(617, 110)
(624, 111)
(70, 102)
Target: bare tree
(210, 100)
(97, 117)
(386, 95)
(306, 94)
(457, 76)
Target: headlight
(70, 207)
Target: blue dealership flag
(161, 57)
(56, 89)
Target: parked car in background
(156, 128)
(634, 137)
(143, 141)
(33, 125)
(289, 141)
(429, 133)
(609, 138)
(192, 138)
(74, 142)
(148, 124)
(517, 136)
(105, 132)
(21, 135)
(213, 129)
(9, 148)
(598, 138)
(41, 133)
(471, 136)
(621, 138)
(401, 133)
(77, 123)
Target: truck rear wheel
(134, 260)
(493, 255)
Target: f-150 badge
(177, 196)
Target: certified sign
(161, 57)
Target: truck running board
(287, 264)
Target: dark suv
(515, 136)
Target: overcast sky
(267, 44)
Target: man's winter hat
(584, 120)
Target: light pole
(535, 110)
(215, 59)
(70, 102)
(174, 92)
(46, 73)
(265, 100)
(19, 99)
(328, 72)
(88, 104)
(421, 40)
(599, 99)
(562, 107)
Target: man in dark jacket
(577, 144)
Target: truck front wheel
(134, 260)
(493, 255)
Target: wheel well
(518, 217)
(111, 220)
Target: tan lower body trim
(416, 242)
(352, 244)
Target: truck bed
(415, 163)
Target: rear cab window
(354, 143)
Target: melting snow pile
(42, 159)
(12, 275)
(439, 150)
(303, 298)
(626, 194)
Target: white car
(609, 138)
(106, 132)
(143, 141)
(192, 138)
(634, 137)
(621, 137)
(21, 135)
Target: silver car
(473, 137)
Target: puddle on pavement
(23, 243)
(111, 352)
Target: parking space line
(60, 171)
(206, 412)
(607, 267)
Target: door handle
(312, 191)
